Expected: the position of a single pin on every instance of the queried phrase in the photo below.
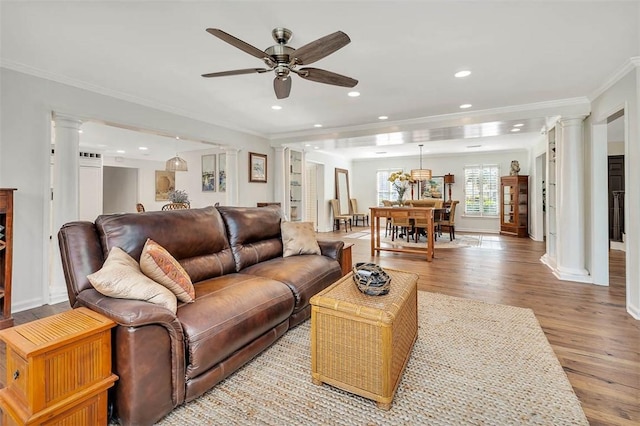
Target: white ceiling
(526, 57)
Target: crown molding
(578, 105)
(36, 72)
(630, 65)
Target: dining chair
(175, 206)
(400, 223)
(450, 222)
(421, 223)
(358, 215)
(140, 208)
(338, 217)
(387, 229)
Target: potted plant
(179, 196)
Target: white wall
(623, 94)
(25, 138)
(363, 187)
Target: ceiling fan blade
(326, 77)
(236, 42)
(236, 72)
(282, 87)
(316, 50)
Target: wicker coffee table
(362, 343)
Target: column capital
(571, 120)
(68, 121)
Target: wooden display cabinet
(514, 205)
(6, 255)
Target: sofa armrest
(131, 313)
(332, 249)
(137, 339)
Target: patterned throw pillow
(158, 264)
(120, 277)
(298, 238)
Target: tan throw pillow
(121, 277)
(158, 264)
(298, 238)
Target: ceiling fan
(284, 60)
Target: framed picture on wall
(165, 183)
(209, 172)
(257, 167)
(433, 188)
(222, 172)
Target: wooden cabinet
(514, 205)
(58, 370)
(6, 255)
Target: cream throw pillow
(121, 277)
(158, 264)
(298, 238)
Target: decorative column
(65, 204)
(279, 172)
(570, 219)
(233, 176)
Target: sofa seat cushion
(305, 274)
(229, 312)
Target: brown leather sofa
(247, 296)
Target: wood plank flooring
(596, 341)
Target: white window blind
(481, 187)
(384, 189)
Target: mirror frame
(342, 181)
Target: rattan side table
(362, 343)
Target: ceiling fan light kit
(284, 60)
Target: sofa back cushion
(254, 233)
(194, 237)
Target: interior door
(616, 183)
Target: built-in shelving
(295, 185)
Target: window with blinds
(481, 186)
(385, 191)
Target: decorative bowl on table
(371, 279)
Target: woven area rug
(473, 364)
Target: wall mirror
(342, 190)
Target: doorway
(314, 188)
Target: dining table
(386, 212)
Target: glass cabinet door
(507, 205)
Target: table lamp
(449, 179)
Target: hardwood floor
(595, 339)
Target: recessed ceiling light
(383, 117)
(317, 125)
(465, 106)
(121, 151)
(518, 125)
(474, 146)
(143, 148)
(463, 73)
(353, 94)
(515, 129)
(80, 131)
(316, 147)
(276, 107)
(381, 152)
(308, 144)
(177, 137)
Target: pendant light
(421, 174)
(176, 164)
